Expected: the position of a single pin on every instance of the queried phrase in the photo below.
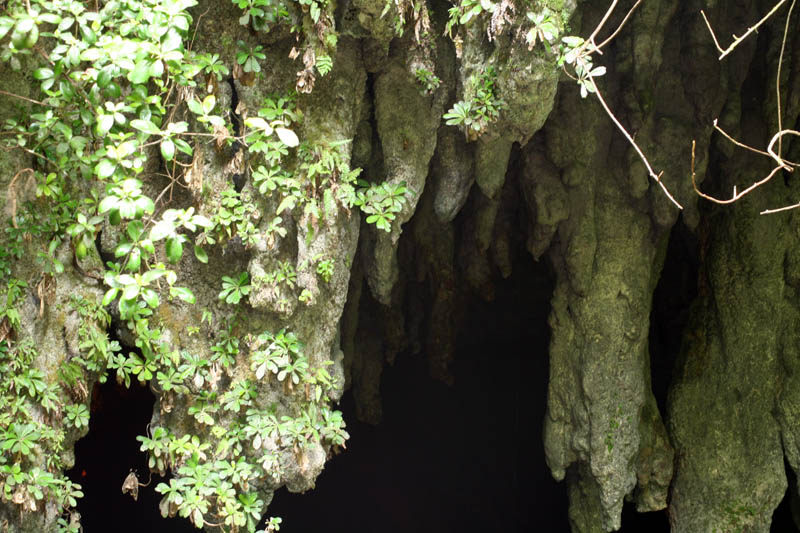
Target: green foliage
(263, 14)
(381, 202)
(427, 80)
(117, 84)
(234, 218)
(543, 29)
(324, 64)
(480, 109)
(325, 269)
(465, 11)
(249, 57)
(234, 288)
(77, 415)
(577, 52)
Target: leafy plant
(481, 109)
(249, 57)
(382, 202)
(427, 80)
(234, 288)
(262, 13)
(77, 415)
(325, 268)
(544, 29)
(465, 11)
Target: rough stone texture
(576, 194)
(46, 317)
(406, 122)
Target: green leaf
(183, 146)
(104, 169)
(145, 126)
(183, 293)
(104, 78)
(174, 249)
(208, 104)
(150, 297)
(135, 229)
(91, 55)
(104, 124)
(287, 137)
(203, 222)
(145, 204)
(195, 106)
(167, 149)
(200, 254)
(42, 73)
(152, 275)
(6, 23)
(162, 229)
(141, 72)
(286, 203)
(172, 40)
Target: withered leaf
(131, 485)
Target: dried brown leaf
(131, 485)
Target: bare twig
(603, 21)
(737, 143)
(737, 195)
(621, 128)
(776, 138)
(778, 77)
(12, 194)
(738, 40)
(31, 100)
(779, 210)
(621, 24)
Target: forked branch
(738, 40)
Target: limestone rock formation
(548, 172)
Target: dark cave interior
(444, 458)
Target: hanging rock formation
(551, 175)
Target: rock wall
(551, 174)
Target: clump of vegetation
(427, 80)
(475, 113)
(118, 85)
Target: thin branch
(621, 24)
(31, 100)
(776, 138)
(737, 143)
(738, 40)
(12, 193)
(197, 26)
(605, 18)
(656, 177)
(736, 195)
(778, 77)
(779, 210)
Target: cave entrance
(462, 458)
(105, 456)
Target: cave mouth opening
(106, 455)
(465, 457)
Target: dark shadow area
(107, 454)
(782, 519)
(461, 458)
(653, 522)
(669, 316)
